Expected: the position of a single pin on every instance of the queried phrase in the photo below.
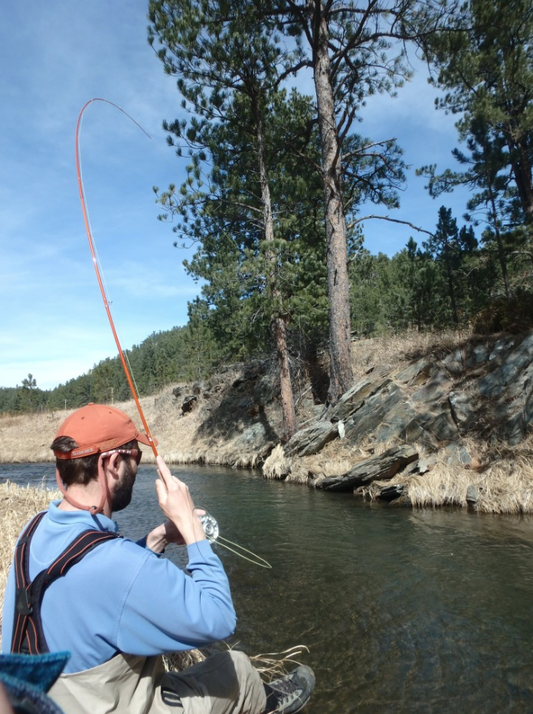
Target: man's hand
(177, 505)
(158, 538)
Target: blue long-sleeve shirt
(122, 596)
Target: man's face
(121, 497)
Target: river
(402, 611)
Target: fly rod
(123, 360)
(209, 523)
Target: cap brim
(145, 440)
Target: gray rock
(443, 427)
(395, 421)
(391, 493)
(412, 468)
(354, 398)
(312, 439)
(427, 463)
(436, 389)
(373, 412)
(381, 468)
(457, 455)
(417, 372)
(478, 355)
(462, 410)
(472, 495)
(528, 409)
(514, 429)
(413, 431)
(500, 348)
(266, 389)
(455, 362)
(252, 438)
(497, 381)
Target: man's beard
(123, 492)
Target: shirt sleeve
(168, 610)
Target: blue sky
(58, 55)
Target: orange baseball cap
(97, 428)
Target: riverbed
(401, 610)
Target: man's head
(88, 437)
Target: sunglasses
(133, 453)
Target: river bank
(430, 421)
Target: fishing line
(212, 532)
(209, 523)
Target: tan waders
(225, 683)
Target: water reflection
(403, 611)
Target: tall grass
(17, 506)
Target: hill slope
(459, 409)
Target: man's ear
(113, 464)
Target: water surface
(402, 611)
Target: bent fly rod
(209, 523)
(123, 360)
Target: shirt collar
(98, 521)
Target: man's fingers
(163, 470)
(162, 492)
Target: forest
(276, 179)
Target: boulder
(311, 439)
(395, 421)
(454, 363)
(391, 493)
(381, 467)
(472, 495)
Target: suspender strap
(28, 634)
(22, 582)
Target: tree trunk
(341, 375)
(501, 250)
(279, 330)
(451, 291)
(523, 175)
(278, 319)
(524, 180)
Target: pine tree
(485, 65)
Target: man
(120, 606)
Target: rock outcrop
(455, 404)
(444, 408)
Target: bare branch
(392, 220)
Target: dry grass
(504, 487)
(277, 465)
(272, 665)
(177, 661)
(442, 486)
(507, 487)
(17, 506)
(394, 350)
(27, 438)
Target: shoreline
(456, 410)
